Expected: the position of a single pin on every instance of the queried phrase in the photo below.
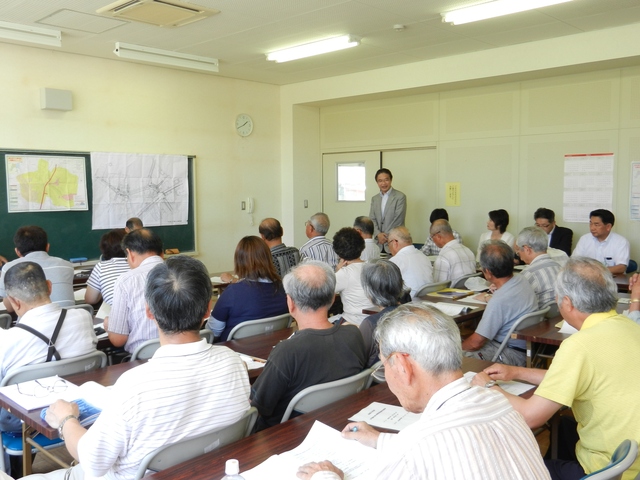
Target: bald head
(311, 285)
(270, 229)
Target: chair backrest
(432, 287)
(632, 267)
(5, 321)
(207, 335)
(621, 460)
(323, 394)
(459, 283)
(83, 306)
(377, 374)
(522, 322)
(554, 311)
(146, 349)
(67, 366)
(183, 450)
(257, 327)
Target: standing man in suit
(388, 209)
(559, 237)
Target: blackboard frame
(70, 234)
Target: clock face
(244, 125)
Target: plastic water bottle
(232, 470)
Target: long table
(256, 448)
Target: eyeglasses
(392, 240)
(38, 390)
(543, 226)
(434, 234)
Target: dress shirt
(183, 391)
(486, 236)
(128, 315)
(371, 250)
(541, 274)
(614, 250)
(104, 275)
(321, 249)
(415, 267)
(464, 432)
(454, 261)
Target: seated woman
(497, 230)
(113, 263)
(383, 285)
(257, 294)
(348, 245)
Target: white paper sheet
(252, 362)
(513, 387)
(382, 415)
(448, 308)
(566, 328)
(322, 443)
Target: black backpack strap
(52, 352)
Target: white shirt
(19, 347)
(415, 267)
(128, 316)
(454, 261)
(486, 236)
(349, 286)
(385, 197)
(613, 251)
(371, 250)
(464, 432)
(183, 391)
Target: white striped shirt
(321, 249)
(454, 261)
(183, 391)
(541, 274)
(464, 432)
(104, 275)
(128, 315)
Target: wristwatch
(490, 383)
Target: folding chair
(621, 460)
(257, 327)
(432, 287)
(522, 322)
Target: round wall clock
(244, 125)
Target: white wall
(125, 107)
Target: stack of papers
(252, 363)
(382, 415)
(448, 308)
(322, 443)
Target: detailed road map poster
(154, 188)
(45, 183)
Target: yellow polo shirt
(596, 372)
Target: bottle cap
(232, 467)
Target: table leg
(26, 450)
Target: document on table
(252, 362)
(566, 328)
(513, 387)
(386, 416)
(322, 443)
(448, 308)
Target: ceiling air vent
(156, 12)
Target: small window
(351, 182)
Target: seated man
(134, 223)
(512, 299)
(32, 245)
(430, 247)
(188, 388)
(542, 271)
(365, 227)
(557, 237)
(591, 373)
(454, 260)
(318, 247)
(318, 352)
(609, 248)
(284, 258)
(38, 318)
(415, 267)
(464, 432)
(127, 324)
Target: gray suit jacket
(394, 212)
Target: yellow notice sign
(452, 194)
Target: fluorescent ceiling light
(315, 48)
(496, 8)
(166, 57)
(24, 33)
